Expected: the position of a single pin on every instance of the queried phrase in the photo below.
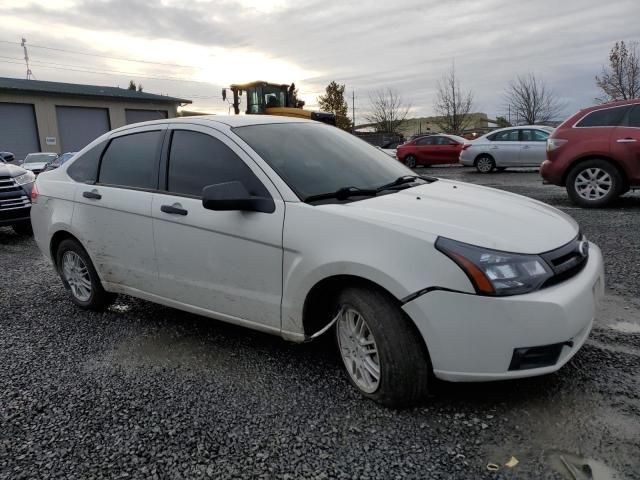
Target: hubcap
(411, 162)
(76, 274)
(358, 350)
(484, 164)
(593, 184)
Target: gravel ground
(145, 391)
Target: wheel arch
(606, 158)
(483, 154)
(56, 239)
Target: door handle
(173, 209)
(92, 194)
(626, 140)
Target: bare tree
(532, 101)
(621, 81)
(452, 106)
(388, 111)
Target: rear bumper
(551, 173)
(476, 338)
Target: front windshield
(39, 157)
(314, 158)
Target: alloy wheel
(358, 350)
(593, 184)
(410, 161)
(485, 164)
(76, 274)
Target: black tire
(404, 366)
(99, 298)
(601, 168)
(410, 161)
(485, 163)
(23, 228)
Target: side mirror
(234, 196)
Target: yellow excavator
(264, 98)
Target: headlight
(28, 177)
(497, 273)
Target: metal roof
(20, 85)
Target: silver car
(507, 147)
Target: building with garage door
(38, 116)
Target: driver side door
(227, 263)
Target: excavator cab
(264, 98)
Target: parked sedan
(284, 225)
(37, 161)
(431, 150)
(507, 147)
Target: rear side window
(132, 161)
(634, 117)
(609, 117)
(506, 136)
(197, 160)
(534, 135)
(425, 141)
(85, 168)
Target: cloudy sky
(191, 49)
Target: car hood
(34, 165)
(472, 214)
(8, 170)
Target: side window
(425, 141)
(85, 168)
(506, 136)
(197, 160)
(609, 117)
(132, 161)
(634, 117)
(540, 135)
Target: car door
(228, 263)
(112, 216)
(424, 150)
(625, 144)
(505, 148)
(533, 143)
(450, 150)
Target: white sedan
(297, 228)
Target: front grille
(567, 261)
(12, 196)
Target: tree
(388, 111)
(132, 85)
(502, 122)
(453, 106)
(333, 101)
(531, 101)
(139, 87)
(621, 81)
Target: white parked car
(36, 162)
(507, 147)
(295, 228)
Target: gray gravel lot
(145, 391)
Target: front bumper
(474, 338)
(551, 173)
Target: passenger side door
(625, 144)
(449, 150)
(112, 216)
(228, 263)
(424, 150)
(505, 148)
(533, 144)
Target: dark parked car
(6, 157)
(58, 161)
(15, 197)
(595, 154)
(431, 150)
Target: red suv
(596, 153)
(431, 150)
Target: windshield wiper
(345, 193)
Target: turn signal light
(34, 193)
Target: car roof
(619, 103)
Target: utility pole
(26, 58)
(353, 110)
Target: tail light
(34, 193)
(555, 143)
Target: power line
(124, 59)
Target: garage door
(79, 126)
(135, 116)
(18, 132)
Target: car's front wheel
(410, 161)
(594, 183)
(80, 277)
(485, 164)
(383, 353)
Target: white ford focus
(296, 228)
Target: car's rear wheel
(383, 353)
(485, 164)
(410, 161)
(594, 183)
(23, 228)
(80, 277)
